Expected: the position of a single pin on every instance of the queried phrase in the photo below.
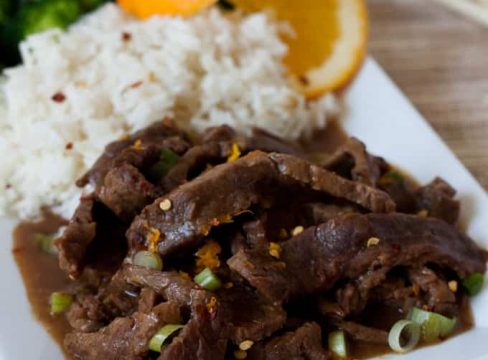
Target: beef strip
(305, 343)
(212, 198)
(77, 237)
(439, 297)
(126, 191)
(162, 134)
(262, 140)
(363, 333)
(438, 199)
(204, 337)
(169, 284)
(125, 338)
(353, 161)
(318, 257)
(318, 213)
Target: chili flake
(153, 238)
(126, 36)
(137, 144)
(423, 213)
(184, 275)
(59, 97)
(234, 154)
(212, 305)
(208, 256)
(240, 354)
(274, 250)
(453, 285)
(246, 345)
(373, 241)
(69, 146)
(297, 230)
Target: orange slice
(329, 43)
(146, 8)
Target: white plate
(384, 119)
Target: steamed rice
(116, 75)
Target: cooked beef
(125, 338)
(316, 259)
(212, 198)
(352, 161)
(126, 191)
(204, 337)
(169, 284)
(163, 134)
(305, 343)
(147, 300)
(439, 297)
(395, 293)
(264, 141)
(318, 213)
(363, 333)
(438, 199)
(77, 237)
(250, 316)
(401, 190)
(255, 231)
(218, 134)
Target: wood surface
(439, 58)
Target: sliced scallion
(404, 336)
(338, 344)
(167, 159)
(60, 302)
(433, 325)
(473, 283)
(208, 280)
(157, 341)
(148, 259)
(46, 243)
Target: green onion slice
(157, 341)
(60, 302)
(473, 283)
(208, 280)
(148, 259)
(338, 344)
(167, 159)
(433, 325)
(404, 329)
(46, 243)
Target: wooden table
(439, 58)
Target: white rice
(204, 71)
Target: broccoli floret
(47, 14)
(89, 5)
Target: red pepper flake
(136, 84)
(69, 146)
(126, 36)
(59, 97)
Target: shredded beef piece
(305, 343)
(212, 198)
(317, 258)
(363, 333)
(438, 199)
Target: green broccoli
(89, 5)
(46, 14)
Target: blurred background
(437, 53)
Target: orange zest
(147, 8)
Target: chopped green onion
(208, 280)
(167, 159)
(397, 335)
(149, 260)
(338, 344)
(157, 341)
(433, 325)
(60, 302)
(46, 243)
(473, 283)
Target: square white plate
(383, 118)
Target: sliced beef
(227, 190)
(262, 140)
(317, 258)
(305, 343)
(256, 231)
(438, 199)
(125, 338)
(318, 213)
(169, 284)
(352, 161)
(250, 316)
(126, 191)
(204, 337)
(218, 134)
(439, 297)
(163, 134)
(363, 333)
(77, 237)
(401, 190)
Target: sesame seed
(165, 205)
(297, 230)
(228, 285)
(453, 285)
(373, 241)
(274, 250)
(240, 354)
(246, 345)
(423, 213)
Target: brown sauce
(40, 273)
(42, 276)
